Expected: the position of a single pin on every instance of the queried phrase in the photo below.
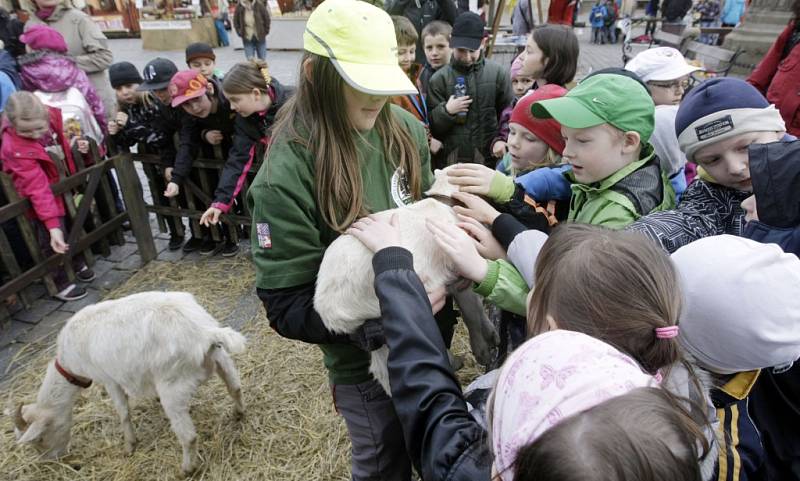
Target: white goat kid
(345, 294)
(145, 345)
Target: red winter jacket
(33, 171)
(779, 80)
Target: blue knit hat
(721, 108)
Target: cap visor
(183, 98)
(375, 79)
(146, 87)
(673, 73)
(566, 111)
(465, 42)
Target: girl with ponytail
(255, 97)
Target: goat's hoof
(188, 469)
(130, 448)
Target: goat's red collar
(71, 378)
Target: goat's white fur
(345, 295)
(145, 345)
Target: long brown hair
(615, 286)
(316, 118)
(639, 435)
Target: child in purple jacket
(48, 68)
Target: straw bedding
(290, 431)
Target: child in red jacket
(30, 133)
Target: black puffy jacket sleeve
(291, 314)
(443, 440)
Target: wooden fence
(93, 225)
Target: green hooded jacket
(637, 189)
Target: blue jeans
(221, 32)
(254, 48)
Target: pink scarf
(550, 378)
(44, 13)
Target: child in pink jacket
(48, 68)
(31, 133)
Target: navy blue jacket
(775, 400)
(775, 172)
(741, 454)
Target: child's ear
(308, 70)
(631, 141)
(484, 41)
(211, 88)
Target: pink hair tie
(666, 332)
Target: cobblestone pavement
(46, 316)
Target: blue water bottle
(460, 90)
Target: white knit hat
(742, 304)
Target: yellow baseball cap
(359, 39)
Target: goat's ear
(33, 433)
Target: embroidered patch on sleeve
(264, 237)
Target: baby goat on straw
(145, 345)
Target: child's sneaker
(85, 275)
(230, 249)
(209, 247)
(175, 242)
(71, 293)
(193, 244)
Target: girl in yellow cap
(339, 151)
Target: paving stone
(171, 256)
(47, 329)
(101, 266)
(161, 244)
(11, 331)
(34, 291)
(119, 253)
(92, 296)
(38, 310)
(111, 280)
(132, 262)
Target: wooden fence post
(134, 203)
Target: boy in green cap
(607, 121)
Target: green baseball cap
(359, 39)
(603, 99)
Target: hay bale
(290, 432)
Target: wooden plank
(28, 234)
(719, 53)
(150, 173)
(83, 208)
(495, 25)
(134, 201)
(196, 163)
(196, 214)
(42, 267)
(11, 265)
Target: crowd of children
(639, 230)
(649, 366)
(179, 115)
